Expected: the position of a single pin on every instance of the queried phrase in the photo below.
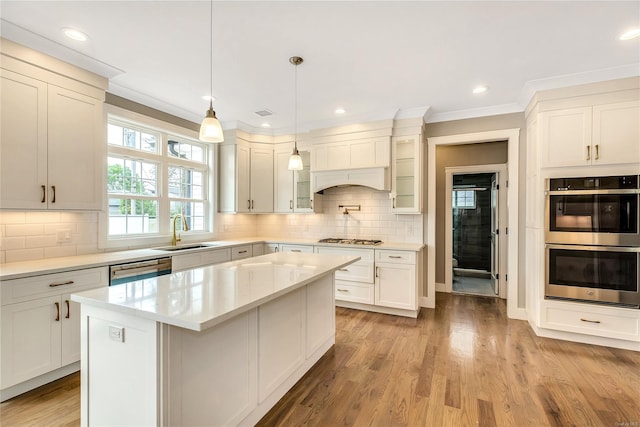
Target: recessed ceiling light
(75, 34)
(480, 89)
(630, 34)
(340, 111)
(266, 125)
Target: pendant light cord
(211, 56)
(295, 108)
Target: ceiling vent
(264, 113)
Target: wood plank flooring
(462, 364)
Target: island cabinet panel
(122, 391)
(223, 356)
(280, 354)
(320, 314)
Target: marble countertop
(203, 297)
(22, 269)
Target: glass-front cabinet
(406, 170)
(293, 188)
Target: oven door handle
(591, 192)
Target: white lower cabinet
(199, 259)
(396, 284)
(295, 248)
(590, 319)
(40, 330)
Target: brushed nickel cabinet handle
(252, 204)
(589, 321)
(343, 290)
(53, 285)
(311, 204)
(291, 204)
(343, 269)
(248, 204)
(377, 271)
(53, 200)
(242, 252)
(395, 256)
(597, 152)
(57, 311)
(296, 250)
(44, 193)
(68, 309)
(588, 152)
(394, 203)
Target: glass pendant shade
(210, 129)
(295, 161)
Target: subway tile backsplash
(28, 236)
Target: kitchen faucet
(185, 227)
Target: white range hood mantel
(377, 178)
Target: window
(464, 199)
(154, 173)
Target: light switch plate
(116, 333)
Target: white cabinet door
(565, 138)
(396, 285)
(406, 171)
(261, 180)
(70, 332)
(616, 133)
(30, 339)
(282, 182)
(243, 179)
(23, 141)
(76, 136)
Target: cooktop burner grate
(350, 241)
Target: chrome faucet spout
(176, 238)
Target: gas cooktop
(350, 241)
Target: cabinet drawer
(596, 321)
(216, 256)
(28, 288)
(354, 292)
(364, 254)
(241, 252)
(296, 248)
(357, 272)
(401, 257)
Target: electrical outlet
(116, 333)
(64, 236)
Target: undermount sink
(181, 248)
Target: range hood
(376, 178)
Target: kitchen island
(216, 346)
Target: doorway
(475, 229)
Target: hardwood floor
(462, 364)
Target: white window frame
(467, 192)
(167, 131)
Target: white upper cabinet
(51, 147)
(292, 189)
(354, 154)
(616, 133)
(406, 170)
(246, 178)
(606, 134)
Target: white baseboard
(441, 287)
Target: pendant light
(295, 161)
(210, 129)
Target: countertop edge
(202, 325)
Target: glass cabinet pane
(303, 183)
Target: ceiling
(377, 60)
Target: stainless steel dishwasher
(131, 271)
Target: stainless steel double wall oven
(592, 239)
